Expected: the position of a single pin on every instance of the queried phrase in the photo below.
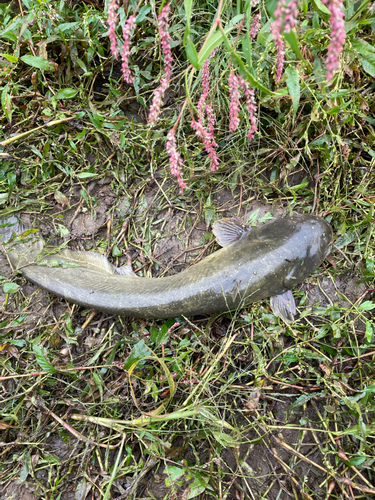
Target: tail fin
(21, 245)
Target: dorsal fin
(229, 230)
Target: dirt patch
(344, 290)
(18, 490)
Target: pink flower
(285, 20)
(234, 106)
(280, 47)
(175, 160)
(165, 40)
(112, 22)
(251, 107)
(206, 114)
(338, 35)
(255, 27)
(285, 16)
(205, 87)
(208, 140)
(237, 83)
(127, 33)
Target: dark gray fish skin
(267, 261)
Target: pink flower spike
(280, 47)
(234, 106)
(165, 40)
(127, 33)
(112, 19)
(255, 27)
(285, 16)
(338, 36)
(251, 106)
(175, 160)
(208, 140)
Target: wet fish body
(266, 261)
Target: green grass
(236, 405)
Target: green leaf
(4, 197)
(42, 360)
(367, 306)
(304, 398)
(321, 6)
(66, 94)
(357, 461)
(38, 62)
(140, 351)
(173, 473)
(365, 51)
(188, 4)
(369, 331)
(246, 47)
(292, 39)
(214, 41)
(6, 103)
(66, 27)
(198, 486)
(292, 83)
(116, 252)
(10, 287)
(86, 175)
(368, 67)
(143, 11)
(16, 342)
(10, 58)
(191, 52)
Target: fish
(254, 263)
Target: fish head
(310, 245)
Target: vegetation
(238, 405)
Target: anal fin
(284, 306)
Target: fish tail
(20, 244)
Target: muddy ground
(164, 239)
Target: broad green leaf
(42, 360)
(292, 83)
(321, 6)
(10, 287)
(173, 473)
(191, 52)
(368, 67)
(38, 62)
(140, 351)
(367, 306)
(10, 58)
(66, 94)
(66, 27)
(355, 461)
(143, 11)
(198, 486)
(366, 52)
(116, 252)
(4, 197)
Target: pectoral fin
(284, 306)
(228, 230)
